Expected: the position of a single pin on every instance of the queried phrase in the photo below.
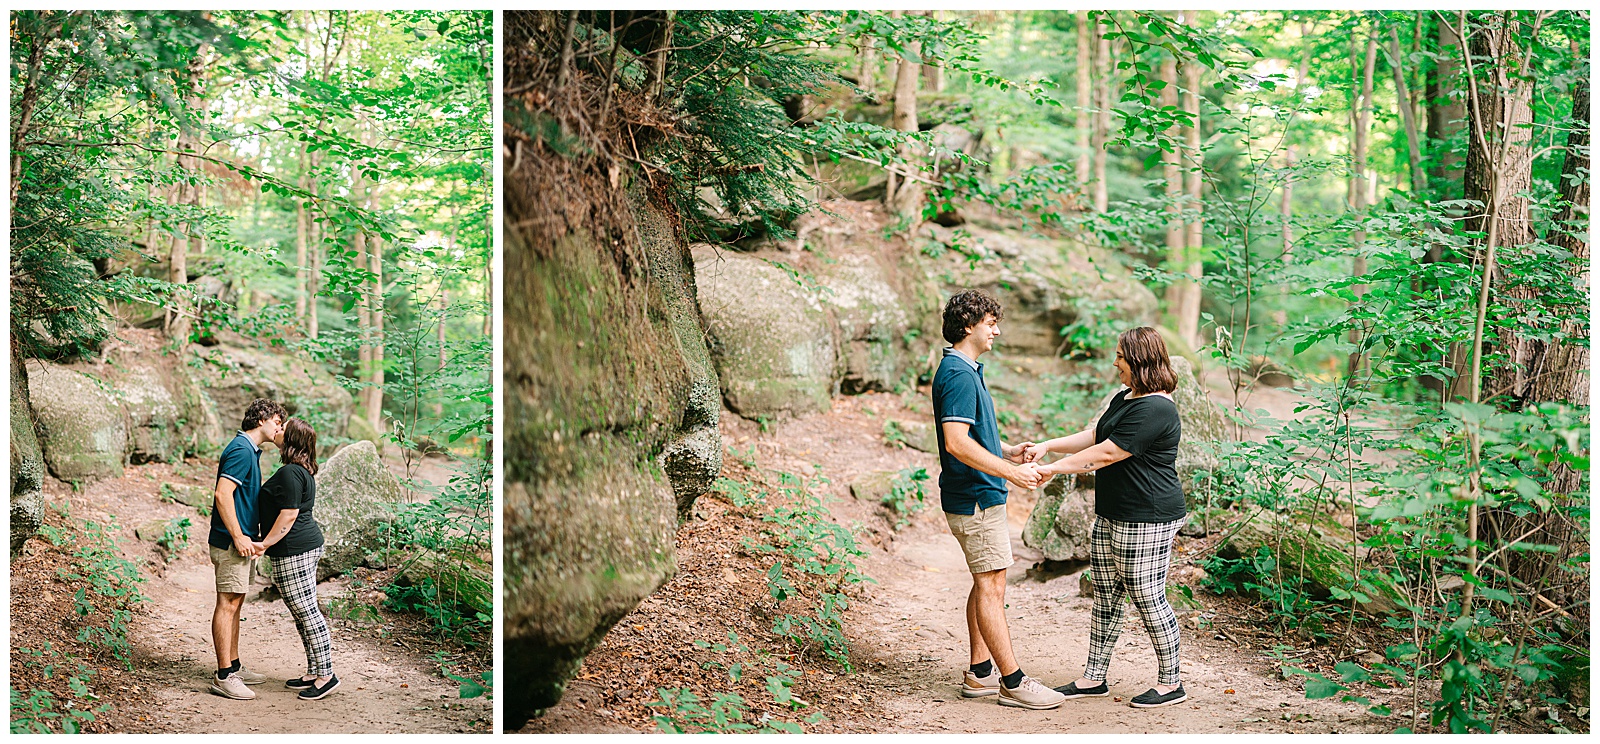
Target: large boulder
(612, 404)
(27, 463)
(770, 335)
(1060, 523)
(237, 371)
(883, 329)
(82, 431)
(356, 499)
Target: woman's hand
(1017, 453)
(1036, 452)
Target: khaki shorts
(233, 570)
(985, 538)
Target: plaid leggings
(1131, 558)
(296, 577)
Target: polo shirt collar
(971, 362)
(252, 442)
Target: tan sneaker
(248, 677)
(233, 687)
(973, 686)
(1031, 694)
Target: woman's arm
(1069, 444)
(1087, 460)
(281, 527)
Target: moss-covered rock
(356, 496)
(82, 432)
(612, 404)
(457, 581)
(27, 462)
(873, 319)
(155, 426)
(874, 485)
(771, 338)
(1060, 523)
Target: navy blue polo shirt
(959, 394)
(240, 463)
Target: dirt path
(907, 631)
(913, 618)
(389, 682)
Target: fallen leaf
(1228, 691)
(402, 684)
(1117, 699)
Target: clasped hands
(1029, 473)
(249, 548)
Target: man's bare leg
(225, 627)
(980, 650)
(989, 593)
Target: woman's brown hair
(1146, 355)
(299, 445)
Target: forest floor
(907, 630)
(389, 663)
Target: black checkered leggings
(296, 577)
(1131, 559)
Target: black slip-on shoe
(318, 693)
(1072, 690)
(1152, 699)
(300, 684)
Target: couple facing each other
(251, 519)
(1139, 506)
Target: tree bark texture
(1419, 180)
(903, 196)
(1194, 233)
(1359, 193)
(1102, 114)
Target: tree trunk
(358, 244)
(1194, 233)
(375, 317)
(1102, 114)
(905, 198)
(178, 323)
(1358, 190)
(1419, 181)
(1504, 116)
(1446, 110)
(22, 114)
(1084, 117)
(658, 58)
(933, 74)
(867, 66)
(1286, 204)
(1177, 257)
(300, 244)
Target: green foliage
(905, 497)
(108, 587)
(443, 545)
(40, 711)
(174, 538)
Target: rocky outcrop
(771, 338)
(82, 431)
(1060, 523)
(27, 463)
(356, 496)
(236, 371)
(612, 403)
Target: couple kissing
(1139, 506)
(251, 519)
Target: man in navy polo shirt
(233, 539)
(975, 467)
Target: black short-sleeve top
(292, 487)
(1144, 487)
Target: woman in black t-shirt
(1139, 506)
(294, 543)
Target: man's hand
(261, 548)
(245, 547)
(1017, 453)
(1025, 476)
(1035, 452)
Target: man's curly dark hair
(260, 410)
(965, 310)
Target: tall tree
(1102, 113)
(903, 195)
(1188, 312)
(1083, 119)
(1360, 181)
(1419, 179)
